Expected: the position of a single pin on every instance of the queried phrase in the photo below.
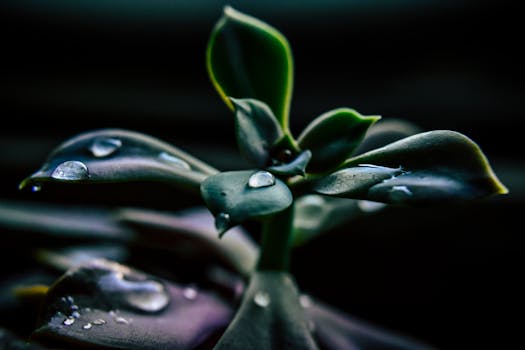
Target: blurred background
(447, 276)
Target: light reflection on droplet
(261, 179)
(69, 321)
(87, 326)
(262, 299)
(190, 293)
(99, 322)
(370, 206)
(176, 161)
(305, 301)
(103, 147)
(71, 170)
(121, 320)
(75, 314)
(222, 222)
(36, 188)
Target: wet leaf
(108, 305)
(270, 317)
(333, 136)
(236, 196)
(113, 155)
(336, 330)
(427, 168)
(257, 130)
(247, 58)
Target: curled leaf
(113, 155)
(296, 166)
(333, 136)
(248, 58)
(236, 196)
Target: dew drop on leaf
(75, 314)
(190, 293)
(99, 322)
(261, 179)
(179, 163)
(69, 321)
(121, 320)
(71, 170)
(103, 147)
(222, 222)
(262, 299)
(87, 326)
(305, 301)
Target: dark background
(447, 276)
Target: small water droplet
(71, 170)
(87, 326)
(121, 320)
(99, 322)
(190, 293)
(222, 222)
(261, 179)
(75, 314)
(176, 161)
(87, 309)
(36, 188)
(70, 299)
(284, 156)
(262, 299)
(370, 206)
(103, 147)
(305, 301)
(69, 321)
(74, 307)
(400, 193)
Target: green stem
(276, 241)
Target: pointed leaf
(270, 317)
(247, 58)
(236, 196)
(257, 130)
(431, 167)
(333, 136)
(297, 166)
(107, 305)
(113, 155)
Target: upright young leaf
(247, 58)
(333, 136)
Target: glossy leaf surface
(247, 58)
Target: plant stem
(276, 241)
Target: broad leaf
(333, 136)
(270, 317)
(256, 129)
(107, 305)
(247, 58)
(113, 155)
(431, 167)
(236, 196)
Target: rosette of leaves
(250, 64)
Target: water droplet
(87, 326)
(36, 188)
(305, 301)
(70, 299)
(69, 321)
(190, 293)
(103, 147)
(262, 299)
(99, 322)
(121, 320)
(261, 179)
(370, 206)
(144, 295)
(75, 314)
(400, 193)
(74, 307)
(71, 170)
(179, 163)
(222, 222)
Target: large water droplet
(261, 179)
(400, 193)
(222, 222)
(144, 295)
(103, 147)
(69, 321)
(176, 161)
(190, 293)
(71, 170)
(262, 299)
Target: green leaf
(296, 166)
(256, 129)
(333, 136)
(113, 155)
(427, 168)
(236, 196)
(247, 58)
(270, 317)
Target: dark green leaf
(431, 167)
(107, 305)
(333, 136)
(113, 155)
(236, 196)
(270, 317)
(247, 58)
(295, 167)
(256, 129)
